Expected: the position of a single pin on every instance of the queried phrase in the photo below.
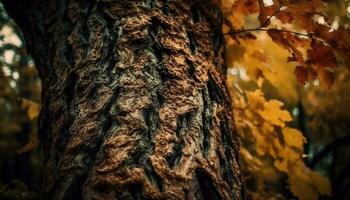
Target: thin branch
(258, 28)
(232, 32)
(266, 22)
(263, 27)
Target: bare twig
(232, 32)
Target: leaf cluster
(296, 26)
(270, 148)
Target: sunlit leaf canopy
(316, 36)
(295, 52)
(289, 83)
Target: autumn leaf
(284, 17)
(293, 137)
(262, 119)
(322, 55)
(259, 55)
(256, 100)
(326, 78)
(307, 184)
(32, 108)
(280, 38)
(300, 187)
(274, 114)
(236, 11)
(301, 74)
(281, 165)
(321, 183)
(300, 41)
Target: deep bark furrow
(135, 97)
(207, 189)
(206, 121)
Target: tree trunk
(134, 103)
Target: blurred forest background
(321, 115)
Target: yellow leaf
(274, 114)
(293, 137)
(307, 184)
(321, 183)
(272, 67)
(281, 165)
(300, 188)
(32, 107)
(289, 153)
(256, 100)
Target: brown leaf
(260, 56)
(301, 74)
(326, 78)
(235, 53)
(285, 17)
(322, 55)
(266, 12)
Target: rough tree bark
(134, 103)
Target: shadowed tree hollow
(134, 103)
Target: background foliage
(20, 160)
(294, 52)
(288, 80)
